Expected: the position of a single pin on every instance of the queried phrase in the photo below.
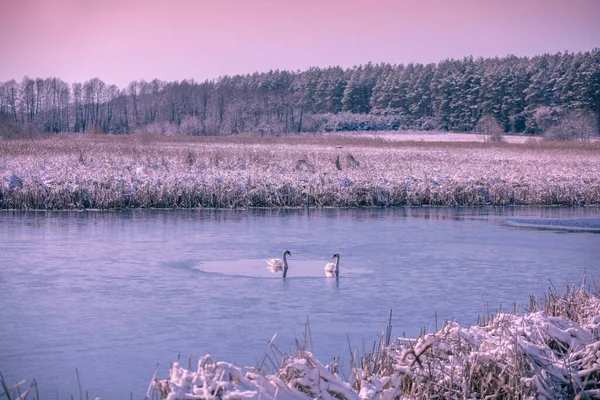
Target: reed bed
(99, 172)
(551, 352)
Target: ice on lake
(567, 224)
(256, 268)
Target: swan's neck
(337, 264)
(285, 265)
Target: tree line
(522, 94)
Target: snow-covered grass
(440, 136)
(550, 352)
(19, 390)
(108, 172)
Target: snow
(527, 356)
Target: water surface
(115, 293)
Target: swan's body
(275, 265)
(333, 268)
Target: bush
(347, 121)
(94, 130)
(10, 129)
(190, 125)
(544, 118)
(426, 124)
(575, 126)
(490, 129)
(164, 128)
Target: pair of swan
(275, 265)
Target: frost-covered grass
(108, 172)
(551, 353)
(19, 390)
(440, 136)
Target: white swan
(275, 265)
(333, 268)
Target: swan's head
(336, 255)
(287, 252)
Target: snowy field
(341, 170)
(439, 136)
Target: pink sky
(124, 40)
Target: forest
(522, 94)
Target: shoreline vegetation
(77, 172)
(548, 352)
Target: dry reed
(315, 171)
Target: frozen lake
(115, 293)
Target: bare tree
(80, 116)
(111, 94)
(576, 125)
(132, 90)
(94, 95)
(28, 99)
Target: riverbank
(550, 352)
(142, 171)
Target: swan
(333, 268)
(275, 265)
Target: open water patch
(591, 224)
(257, 268)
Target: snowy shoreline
(551, 353)
(77, 173)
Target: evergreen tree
(356, 94)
